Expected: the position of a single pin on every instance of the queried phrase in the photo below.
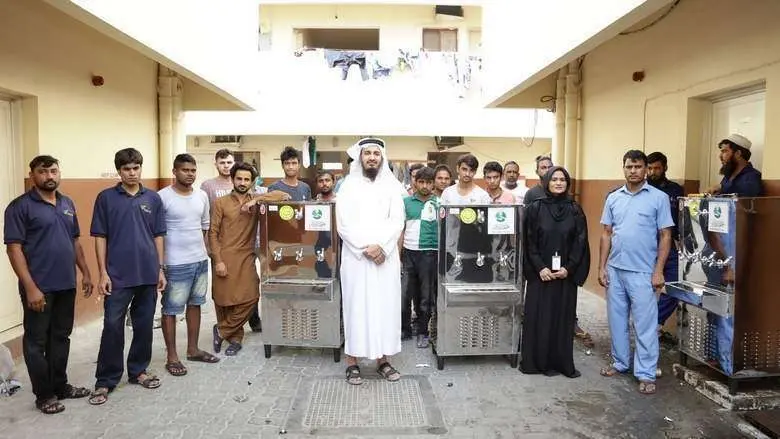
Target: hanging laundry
(313, 150)
(305, 150)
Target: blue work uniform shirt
(635, 220)
(46, 233)
(746, 184)
(129, 223)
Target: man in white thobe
(370, 218)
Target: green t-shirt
(422, 228)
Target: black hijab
(557, 204)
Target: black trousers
(46, 343)
(418, 277)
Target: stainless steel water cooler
(480, 294)
(728, 286)
(301, 296)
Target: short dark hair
(635, 155)
(45, 161)
(468, 160)
(442, 167)
(128, 156)
(744, 152)
(655, 157)
(223, 154)
(511, 162)
(492, 167)
(542, 158)
(242, 166)
(289, 153)
(425, 174)
(182, 159)
(324, 172)
(415, 166)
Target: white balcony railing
(380, 76)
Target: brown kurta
(232, 241)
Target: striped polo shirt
(422, 231)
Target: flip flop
(175, 368)
(50, 406)
(203, 357)
(71, 392)
(149, 381)
(647, 387)
(99, 396)
(217, 342)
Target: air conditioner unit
(226, 141)
(444, 142)
(449, 13)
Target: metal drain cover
(377, 406)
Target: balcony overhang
(476, 122)
(538, 81)
(210, 94)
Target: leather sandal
(353, 375)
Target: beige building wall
(523, 151)
(49, 58)
(735, 44)
(400, 26)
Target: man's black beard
(656, 181)
(326, 192)
(47, 188)
(728, 168)
(371, 173)
(241, 191)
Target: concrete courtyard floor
(301, 393)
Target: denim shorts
(187, 285)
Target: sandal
(233, 349)
(609, 371)
(175, 368)
(353, 375)
(146, 380)
(203, 357)
(388, 372)
(99, 396)
(50, 407)
(217, 342)
(71, 392)
(647, 387)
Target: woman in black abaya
(557, 260)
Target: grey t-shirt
(216, 187)
(186, 217)
(301, 192)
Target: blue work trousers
(141, 301)
(631, 293)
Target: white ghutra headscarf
(384, 176)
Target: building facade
(408, 71)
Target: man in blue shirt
(634, 247)
(290, 184)
(128, 224)
(42, 242)
(657, 166)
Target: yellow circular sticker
(286, 213)
(468, 215)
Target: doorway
(11, 185)
(743, 115)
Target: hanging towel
(305, 149)
(313, 150)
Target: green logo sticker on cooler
(316, 214)
(286, 213)
(468, 215)
(501, 216)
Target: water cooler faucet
(458, 260)
(278, 254)
(320, 254)
(299, 213)
(480, 216)
(480, 259)
(503, 259)
(299, 254)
